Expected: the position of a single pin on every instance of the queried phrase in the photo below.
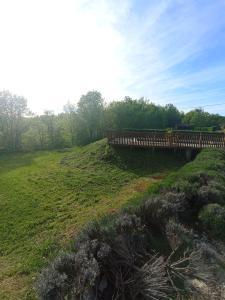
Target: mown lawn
(46, 197)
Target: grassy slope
(45, 197)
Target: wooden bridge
(164, 139)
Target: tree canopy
(12, 124)
(87, 119)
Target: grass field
(46, 197)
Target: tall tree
(200, 118)
(90, 110)
(54, 131)
(140, 114)
(172, 116)
(12, 126)
(71, 121)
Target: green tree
(172, 116)
(70, 117)
(200, 118)
(90, 111)
(36, 136)
(54, 130)
(12, 125)
(140, 114)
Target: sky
(168, 51)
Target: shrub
(200, 177)
(151, 212)
(212, 217)
(150, 281)
(55, 282)
(177, 206)
(178, 235)
(199, 189)
(127, 224)
(102, 230)
(185, 186)
(157, 210)
(73, 275)
(209, 194)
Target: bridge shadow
(144, 162)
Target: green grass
(46, 197)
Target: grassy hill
(46, 197)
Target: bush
(199, 188)
(151, 212)
(210, 194)
(56, 281)
(156, 211)
(212, 217)
(178, 235)
(72, 275)
(102, 230)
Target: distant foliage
(201, 120)
(86, 121)
(141, 114)
(12, 123)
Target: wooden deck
(163, 139)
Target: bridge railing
(163, 139)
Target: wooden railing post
(200, 140)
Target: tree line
(86, 121)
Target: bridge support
(188, 154)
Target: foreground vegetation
(47, 197)
(168, 246)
